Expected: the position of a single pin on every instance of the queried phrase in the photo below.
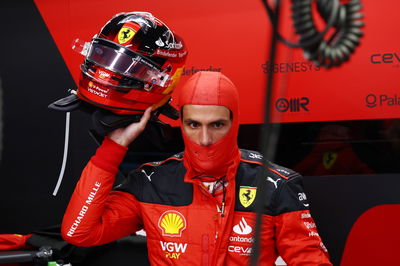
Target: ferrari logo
(329, 158)
(247, 195)
(125, 34)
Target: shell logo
(172, 223)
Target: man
(197, 207)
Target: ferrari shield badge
(329, 158)
(125, 34)
(247, 195)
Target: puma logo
(273, 181)
(148, 176)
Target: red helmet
(134, 62)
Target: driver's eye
(194, 124)
(218, 124)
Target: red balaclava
(211, 88)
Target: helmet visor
(126, 62)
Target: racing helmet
(134, 62)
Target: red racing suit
(183, 222)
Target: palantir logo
(370, 100)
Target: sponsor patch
(172, 223)
(125, 34)
(242, 228)
(102, 75)
(173, 250)
(247, 195)
(243, 251)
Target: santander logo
(242, 228)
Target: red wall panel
(233, 37)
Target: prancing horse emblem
(247, 195)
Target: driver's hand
(125, 136)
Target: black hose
(346, 19)
(269, 134)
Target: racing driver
(197, 207)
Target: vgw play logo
(373, 100)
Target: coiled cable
(345, 20)
(347, 23)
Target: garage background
(345, 142)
